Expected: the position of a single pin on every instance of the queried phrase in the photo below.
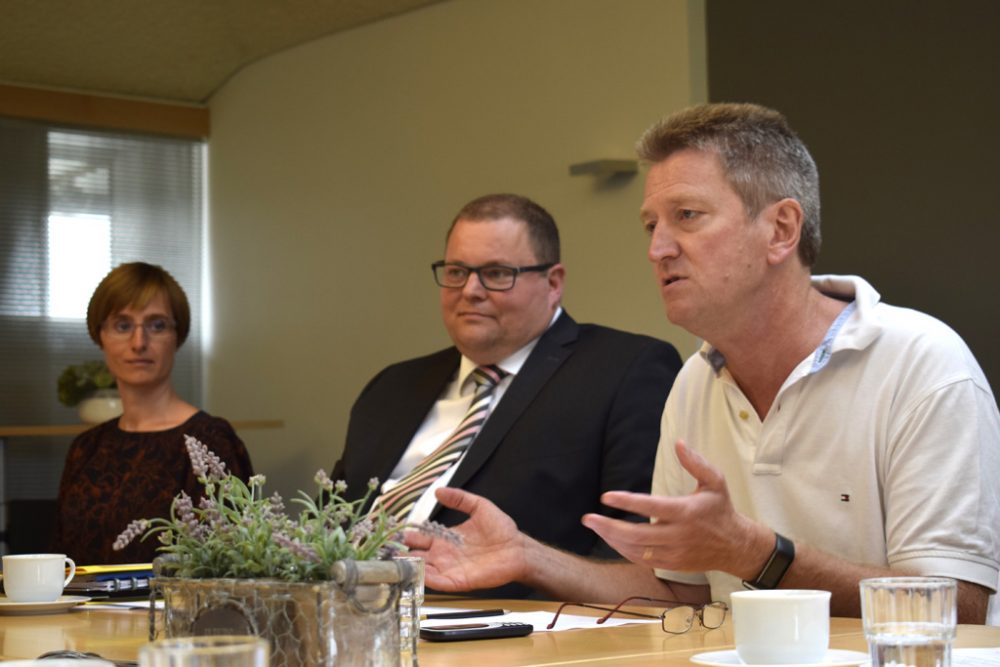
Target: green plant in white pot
(91, 388)
(322, 587)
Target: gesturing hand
(490, 553)
(698, 532)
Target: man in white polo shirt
(819, 437)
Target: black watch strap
(776, 566)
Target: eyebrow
(153, 316)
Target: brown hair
(542, 230)
(136, 284)
(763, 159)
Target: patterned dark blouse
(112, 477)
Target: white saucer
(64, 603)
(833, 658)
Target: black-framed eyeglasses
(123, 327)
(494, 277)
(676, 619)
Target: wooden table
(118, 633)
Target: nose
(473, 288)
(139, 338)
(662, 245)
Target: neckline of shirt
(511, 365)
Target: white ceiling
(176, 50)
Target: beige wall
(336, 166)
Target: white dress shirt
(444, 417)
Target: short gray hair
(763, 159)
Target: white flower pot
(102, 405)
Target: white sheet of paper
(537, 619)
(975, 657)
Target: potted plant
(91, 387)
(322, 587)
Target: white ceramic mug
(36, 577)
(781, 627)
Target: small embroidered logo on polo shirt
(845, 497)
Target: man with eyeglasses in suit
(575, 413)
(820, 437)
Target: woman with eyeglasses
(132, 466)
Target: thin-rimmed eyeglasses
(676, 619)
(155, 327)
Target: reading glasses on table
(676, 619)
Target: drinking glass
(909, 620)
(411, 598)
(207, 651)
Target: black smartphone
(454, 633)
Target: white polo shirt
(882, 447)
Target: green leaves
(234, 531)
(76, 382)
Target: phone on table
(459, 632)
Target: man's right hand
(490, 554)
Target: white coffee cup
(36, 577)
(781, 627)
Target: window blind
(74, 204)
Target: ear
(557, 276)
(785, 218)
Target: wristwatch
(776, 566)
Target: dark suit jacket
(581, 417)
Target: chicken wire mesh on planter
(352, 620)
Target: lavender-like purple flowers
(132, 531)
(204, 461)
(234, 530)
(299, 550)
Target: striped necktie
(399, 501)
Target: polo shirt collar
(856, 328)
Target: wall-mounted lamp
(605, 168)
